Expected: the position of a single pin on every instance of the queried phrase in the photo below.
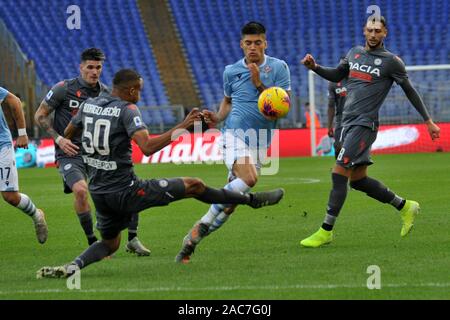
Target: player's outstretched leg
(210, 195)
(408, 214)
(96, 252)
(255, 200)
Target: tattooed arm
(42, 119)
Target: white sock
(27, 206)
(215, 215)
(221, 218)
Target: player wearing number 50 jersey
(108, 124)
(9, 180)
(64, 100)
(371, 71)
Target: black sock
(327, 226)
(402, 204)
(94, 253)
(86, 223)
(337, 195)
(223, 196)
(92, 239)
(378, 191)
(133, 226)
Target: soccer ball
(274, 103)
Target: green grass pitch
(256, 255)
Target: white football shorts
(234, 149)
(9, 180)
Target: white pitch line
(228, 288)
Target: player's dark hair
(374, 19)
(94, 54)
(253, 27)
(125, 77)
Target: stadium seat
(115, 26)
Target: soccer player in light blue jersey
(9, 181)
(243, 82)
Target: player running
(64, 100)
(371, 71)
(9, 178)
(243, 82)
(109, 123)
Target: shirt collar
(261, 65)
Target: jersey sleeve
(226, 84)
(331, 92)
(3, 93)
(398, 71)
(343, 63)
(56, 95)
(132, 119)
(77, 119)
(283, 78)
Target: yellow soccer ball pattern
(274, 103)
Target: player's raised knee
(13, 198)
(80, 190)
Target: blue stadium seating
(114, 26)
(418, 31)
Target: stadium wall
(292, 143)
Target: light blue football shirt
(238, 86)
(5, 134)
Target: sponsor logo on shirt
(74, 104)
(364, 68)
(341, 91)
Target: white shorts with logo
(234, 148)
(9, 179)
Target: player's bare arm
(415, 99)
(151, 145)
(213, 118)
(254, 75)
(17, 113)
(330, 74)
(42, 119)
(71, 131)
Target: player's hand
(22, 142)
(192, 117)
(68, 147)
(331, 132)
(309, 62)
(210, 118)
(433, 129)
(254, 74)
